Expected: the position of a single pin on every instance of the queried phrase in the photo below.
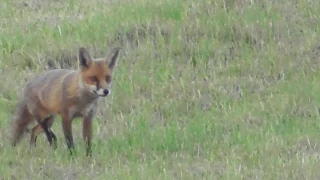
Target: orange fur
(68, 93)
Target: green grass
(203, 89)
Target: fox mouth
(96, 93)
(102, 92)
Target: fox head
(96, 74)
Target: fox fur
(68, 93)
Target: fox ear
(113, 56)
(84, 57)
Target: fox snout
(103, 92)
(106, 92)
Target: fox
(68, 93)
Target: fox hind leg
(44, 126)
(34, 134)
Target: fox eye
(93, 78)
(108, 79)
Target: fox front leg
(67, 130)
(87, 129)
(87, 135)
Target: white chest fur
(83, 109)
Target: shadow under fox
(68, 93)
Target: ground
(216, 89)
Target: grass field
(225, 89)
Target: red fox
(68, 93)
